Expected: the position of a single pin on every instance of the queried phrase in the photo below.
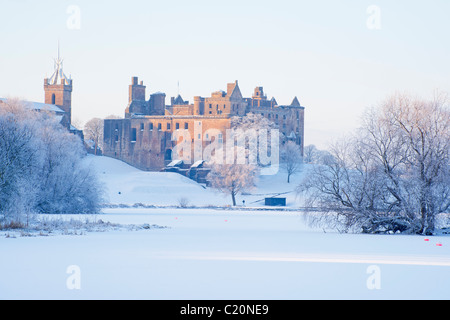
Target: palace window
(159, 126)
(168, 126)
(177, 126)
(151, 126)
(142, 126)
(186, 125)
(133, 135)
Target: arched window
(53, 99)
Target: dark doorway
(168, 155)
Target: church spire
(58, 90)
(58, 76)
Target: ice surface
(215, 253)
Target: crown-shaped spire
(58, 76)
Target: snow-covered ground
(208, 253)
(128, 185)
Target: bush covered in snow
(40, 167)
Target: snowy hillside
(127, 185)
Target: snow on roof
(45, 106)
(39, 106)
(197, 163)
(292, 135)
(72, 128)
(175, 163)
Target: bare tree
(291, 158)
(93, 130)
(393, 175)
(417, 163)
(310, 154)
(313, 155)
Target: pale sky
(337, 57)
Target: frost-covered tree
(231, 178)
(252, 121)
(309, 154)
(93, 130)
(67, 185)
(41, 167)
(410, 138)
(313, 155)
(19, 158)
(259, 137)
(393, 175)
(291, 158)
(250, 145)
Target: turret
(157, 104)
(58, 91)
(199, 106)
(136, 91)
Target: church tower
(58, 91)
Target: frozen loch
(212, 253)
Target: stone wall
(144, 138)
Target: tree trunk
(428, 223)
(233, 196)
(424, 219)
